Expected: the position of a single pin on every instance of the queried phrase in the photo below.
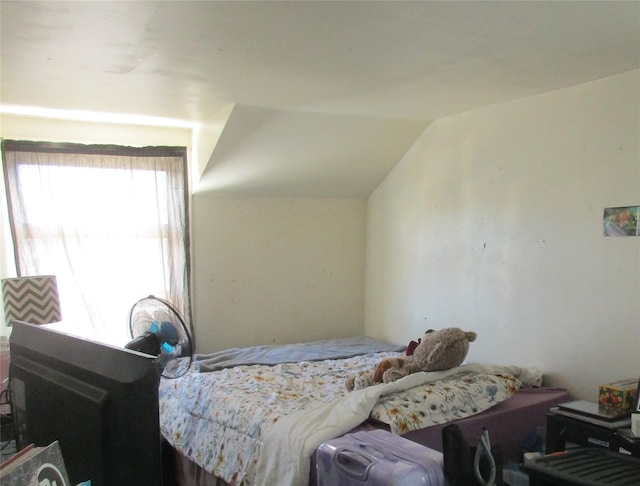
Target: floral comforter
(452, 398)
(219, 419)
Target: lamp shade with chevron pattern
(31, 299)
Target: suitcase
(377, 458)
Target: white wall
(264, 270)
(17, 127)
(276, 270)
(493, 222)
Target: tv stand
(586, 432)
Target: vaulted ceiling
(313, 98)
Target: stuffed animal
(435, 351)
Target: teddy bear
(435, 351)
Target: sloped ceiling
(305, 154)
(325, 97)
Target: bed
(256, 415)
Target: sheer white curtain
(110, 222)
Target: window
(110, 222)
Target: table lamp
(31, 299)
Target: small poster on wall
(621, 221)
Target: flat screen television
(98, 401)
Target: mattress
(509, 422)
(258, 423)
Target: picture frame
(621, 221)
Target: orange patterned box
(620, 394)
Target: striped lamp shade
(31, 299)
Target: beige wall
(17, 127)
(277, 270)
(493, 222)
(264, 270)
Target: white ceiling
(328, 95)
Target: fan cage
(152, 309)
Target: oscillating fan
(158, 329)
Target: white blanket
(292, 439)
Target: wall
(16, 127)
(264, 270)
(493, 222)
(276, 270)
